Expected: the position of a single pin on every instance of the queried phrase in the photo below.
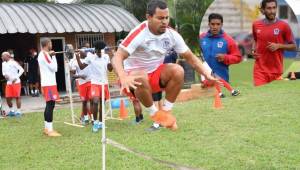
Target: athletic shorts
(157, 96)
(96, 91)
(297, 75)
(50, 93)
(13, 90)
(154, 81)
(33, 78)
(85, 91)
(261, 78)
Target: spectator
(12, 71)
(219, 51)
(33, 72)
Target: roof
(295, 5)
(60, 18)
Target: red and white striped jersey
(48, 68)
(147, 51)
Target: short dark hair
(263, 3)
(45, 41)
(215, 16)
(153, 4)
(99, 45)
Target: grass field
(258, 130)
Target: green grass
(258, 130)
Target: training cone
(218, 102)
(123, 110)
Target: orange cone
(217, 102)
(123, 110)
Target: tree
(188, 15)
(25, 1)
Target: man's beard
(271, 19)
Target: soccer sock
(152, 109)
(18, 110)
(49, 126)
(156, 125)
(32, 92)
(48, 114)
(227, 85)
(141, 116)
(36, 91)
(218, 88)
(11, 109)
(86, 117)
(96, 122)
(167, 106)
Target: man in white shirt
(48, 68)
(99, 64)
(12, 71)
(83, 82)
(144, 72)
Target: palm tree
(188, 15)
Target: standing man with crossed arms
(48, 68)
(144, 73)
(12, 71)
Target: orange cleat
(52, 133)
(174, 127)
(45, 131)
(164, 118)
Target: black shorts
(297, 75)
(33, 78)
(157, 96)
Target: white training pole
(103, 125)
(109, 111)
(68, 86)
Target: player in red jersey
(272, 36)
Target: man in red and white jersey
(272, 36)
(48, 68)
(99, 64)
(12, 71)
(144, 72)
(83, 81)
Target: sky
(64, 1)
(295, 5)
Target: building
(22, 25)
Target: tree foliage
(186, 13)
(24, 1)
(189, 14)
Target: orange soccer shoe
(45, 131)
(173, 127)
(52, 133)
(165, 119)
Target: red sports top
(263, 32)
